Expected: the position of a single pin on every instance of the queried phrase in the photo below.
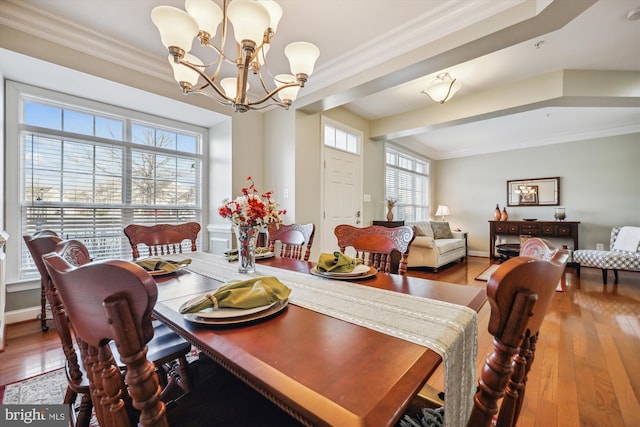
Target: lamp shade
(249, 19)
(275, 12)
(290, 93)
(206, 13)
(443, 210)
(443, 88)
(177, 28)
(302, 57)
(230, 86)
(182, 73)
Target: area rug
(45, 389)
(484, 276)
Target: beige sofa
(435, 245)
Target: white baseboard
(21, 315)
(479, 253)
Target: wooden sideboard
(542, 229)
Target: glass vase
(247, 237)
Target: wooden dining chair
(161, 239)
(77, 382)
(519, 293)
(167, 350)
(112, 301)
(43, 274)
(375, 244)
(295, 239)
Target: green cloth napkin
(250, 293)
(337, 262)
(157, 264)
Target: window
(341, 139)
(407, 182)
(86, 173)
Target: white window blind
(407, 182)
(87, 174)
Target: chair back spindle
(295, 239)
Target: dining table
(351, 352)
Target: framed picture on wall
(530, 197)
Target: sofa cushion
(422, 242)
(441, 230)
(448, 245)
(627, 240)
(422, 228)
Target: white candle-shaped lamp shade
(249, 19)
(302, 57)
(230, 85)
(275, 12)
(177, 28)
(182, 73)
(206, 13)
(443, 211)
(290, 93)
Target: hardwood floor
(586, 371)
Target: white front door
(342, 199)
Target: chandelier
(442, 88)
(525, 189)
(254, 25)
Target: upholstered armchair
(623, 253)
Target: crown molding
(443, 20)
(557, 138)
(30, 20)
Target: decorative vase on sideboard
(504, 215)
(497, 214)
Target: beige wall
(599, 186)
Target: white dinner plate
(358, 270)
(164, 272)
(229, 316)
(264, 255)
(361, 273)
(225, 312)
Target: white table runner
(448, 329)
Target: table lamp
(443, 210)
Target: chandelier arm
(264, 85)
(274, 92)
(208, 80)
(281, 104)
(210, 96)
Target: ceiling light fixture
(254, 25)
(442, 88)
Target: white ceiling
(368, 48)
